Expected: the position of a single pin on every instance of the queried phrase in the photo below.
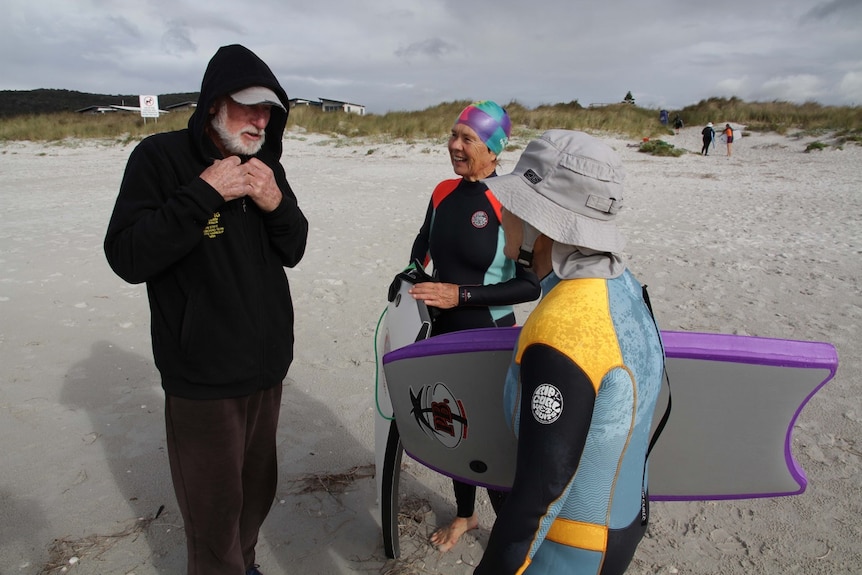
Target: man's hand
(254, 179)
(262, 187)
(229, 178)
(436, 294)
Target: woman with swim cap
(475, 285)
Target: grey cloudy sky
(411, 54)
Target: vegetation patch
(434, 124)
(660, 148)
(849, 136)
(838, 139)
(331, 483)
(815, 145)
(65, 553)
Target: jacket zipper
(248, 230)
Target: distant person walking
(728, 136)
(677, 123)
(708, 138)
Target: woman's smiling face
(471, 158)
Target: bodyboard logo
(439, 414)
(547, 403)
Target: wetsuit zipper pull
(243, 205)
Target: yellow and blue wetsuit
(581, 394)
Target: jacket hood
(234, 68)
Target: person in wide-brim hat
(586, 373)
(708, 134)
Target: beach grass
(435, 122)
(660, 148)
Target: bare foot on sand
(446, 537)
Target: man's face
(240, 129)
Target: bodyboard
(405, 321)
(729, 436)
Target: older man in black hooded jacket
(205, 216)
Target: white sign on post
(149, 106)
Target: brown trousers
(224, 468)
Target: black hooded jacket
(221, 311)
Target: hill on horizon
(47, 101)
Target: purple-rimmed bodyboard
(735, 401)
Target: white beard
(232, 141)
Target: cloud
(177, 40)
(433, 48)
(124, 25)
(850, 87)
(732, 86)
(831, 8)
(796, 88)
(409, 54)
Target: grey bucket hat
(569, 186)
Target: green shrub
(815, 145)
(660, 148)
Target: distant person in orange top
(728, 135)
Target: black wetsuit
(462, 235)
(708, 138)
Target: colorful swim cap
(490, 122)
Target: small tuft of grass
(849, 136)
(815, 145)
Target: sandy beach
(767, 242)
